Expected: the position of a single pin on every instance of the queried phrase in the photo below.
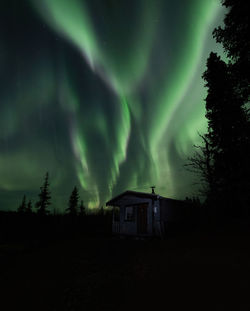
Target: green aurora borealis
(104, 94)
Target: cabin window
(116, 213)
(129, 213)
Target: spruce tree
(22, 208)
(226, 130)
(44, 197)
(29, 207)
(234, 36)
(73, 202)
(228, 137)
(82, 209)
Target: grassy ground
(199, 272)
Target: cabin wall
(162, 215)
(131, 227)
(157, 230)
(127, 227)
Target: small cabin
(146, 214)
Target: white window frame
(130, 213)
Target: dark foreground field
(199, 272)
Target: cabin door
(142, 218)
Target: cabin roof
(135, 194)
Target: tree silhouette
(82, 209)
(226, 129)
(223, 158)
(29, 207)
(201, 164)
(22, 208)
(234, 36)
(73, 202)
(44, 197)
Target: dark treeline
(222, 160)
(33, 228)
(40, 223)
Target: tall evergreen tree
(228, 137)
(227, 122)
(22, 208)
(44, 197)
(82, 209)
(29, 207)
(73, 202)
(234, 36)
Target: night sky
(106, 95)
